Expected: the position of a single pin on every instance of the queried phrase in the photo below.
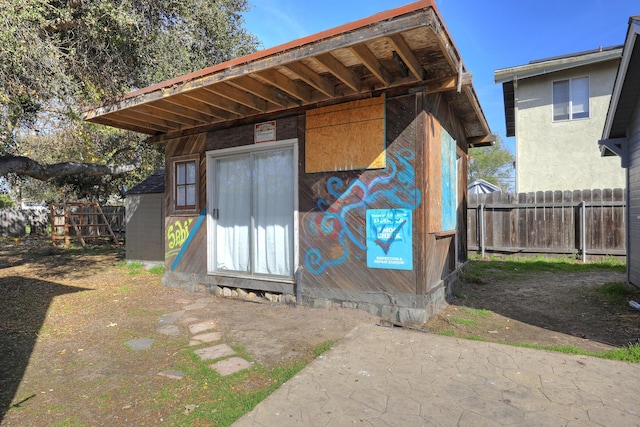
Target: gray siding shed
(145, 220)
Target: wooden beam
(182, 110)
(118, 120)
(163, 113)
(312, 78)
(187, 102)
(285, 84)
(341, 72)
(410, 60)
(157, 123)
(364, 54)
(444, 84)
(261, 90)
(210, 98)
(478, 141)
(240, 96)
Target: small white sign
(265, 132)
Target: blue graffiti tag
(341, 217)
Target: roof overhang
(402, 50)
(509, 77)
(626, 93)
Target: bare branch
(25, 166)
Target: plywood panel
(348, 136)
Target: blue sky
(489, 34)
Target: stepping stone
(230, 366)
(202, 326)
(169, 330)
(169, 319)
(207, 337)
(174, 375)
(195, 306)
(215, 352)
(140, 344)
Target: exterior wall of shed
(633, 198)
(145, 227)
(334, 259)
(564, 155)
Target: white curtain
(233, 236)
(273, 212)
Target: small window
(185, 184)
(571, 99)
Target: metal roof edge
(555, 64)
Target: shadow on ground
(24, 303)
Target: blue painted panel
(389, 239)
(449, 181)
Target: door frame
(211, 156)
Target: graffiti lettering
(177, 234)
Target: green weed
(616, 292)
(463, 321)
(157, 269)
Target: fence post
(481, 218)
(583, 230)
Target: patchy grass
(630, 353)
(211, 399)
(463, 321)
(157, 269)
(616, 292)
(480, 271)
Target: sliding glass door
(253, 213)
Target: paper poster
(389, 239)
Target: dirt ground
(547, 309)
(65, 315)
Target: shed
(333, 166)
(481, 186)
(144, 219)
(621, 136)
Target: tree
(494, 164)
(57, 57)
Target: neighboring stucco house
(556, 108)
(621, 136)
(333, 166)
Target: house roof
(481, 186)
(153, 184)
(510, 76)
(626, 89)
(403, 49)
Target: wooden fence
(587, 223)
(14, 222)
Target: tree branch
(25, 166)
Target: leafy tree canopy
(494, 164)
(59, 57)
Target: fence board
(549, 222)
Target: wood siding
(185, 236)
(145, 227)
(633, 186)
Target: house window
(571, 99)
(185, 185)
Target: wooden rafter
(410, 60)
(241, 97)
(370, 61)
(285, 84)
(341, 72)
(261, 90)
(312, 78)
